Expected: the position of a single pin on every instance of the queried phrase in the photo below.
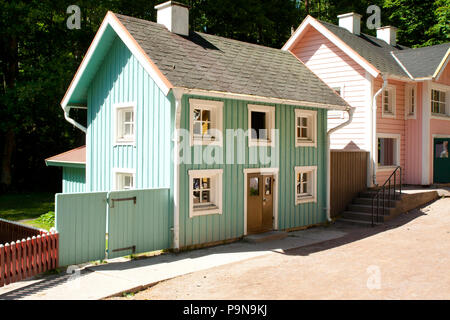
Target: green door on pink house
(441, 160)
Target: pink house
(401, 96)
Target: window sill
(205, 142)
(203, 212)
(440, 116)
(388, 115)
(305, 200)
(306, 143)
(260, 143)
(411, 116)
(124, 143)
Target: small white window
(305, 128)
(388, 155)
(388, 102)
(124, 180)
(305, 184)
(411, 100)
(438, 99)
(261, 123)
(206, 122)
(125, 124)
(205, 192)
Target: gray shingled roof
(375, 51)
(423, 62)
(207, 62)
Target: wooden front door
(259, 203)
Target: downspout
(350, 112)
(177, 93)
(72, 121)
(374, 129)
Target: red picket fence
(26, 258)
(11, 231)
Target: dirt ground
(407, 258)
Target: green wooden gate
(81, 223)
(441, 160)
(135, 221)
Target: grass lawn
(28, 207)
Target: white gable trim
(442, 66)
(334, 39)
(131, 44)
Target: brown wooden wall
(348, 177)
(13, 231)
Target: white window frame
(119, 108)
(120, 172)
(409, 89)
(215, 174)
(446, 90)
(397, 156)
(392, 101)
(313, 171)
(216, 109)
(310, 114)
(270, 125)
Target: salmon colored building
(401, 96)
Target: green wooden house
(237, 131)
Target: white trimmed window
(388, 155)
(438, 102)
(125, 124)
(206, 121)
(411, 101)
(205, 192)
(305, 184)
(124, 180)
(388, 102)
(261, 122)
(305, 128)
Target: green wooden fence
(136, 221)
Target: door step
(266, 236)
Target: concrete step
(361, 216)
(368, 209)
(368, 202)
(266, 236)
(370, 194)
(358, 222)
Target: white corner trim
(335, 40)
(216, 108)
(302, 169)
(312, 114)
(206, 173)
(111, 20)
(401, 65)
(426, 115)
(442, 65)
(270, 110)
(262, 171)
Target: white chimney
(388, 34)
(350, 21)
(175, 16)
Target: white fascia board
(136, 50)
(334, 39)
(442, 65)
(401, 65)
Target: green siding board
(122, 79)
(230, 224)
(74, 180)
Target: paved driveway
(408, 258)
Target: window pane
(258, 123)
(254, 186)
(128, 130)
(196, 114)
(128, 116)
(206, 115)
(386, 151)
(197, 128)
(442, 150)
(196, 196)
(304, 122)
(304, 133)
(205, 183)
(205, 196)
(196, 185)
(205, 127)
(268, 186)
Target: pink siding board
(336, 68)
(445, 76)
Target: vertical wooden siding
(230, 224)
(74, 180)
(337, 69)
(121, 79)
(348, 177)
